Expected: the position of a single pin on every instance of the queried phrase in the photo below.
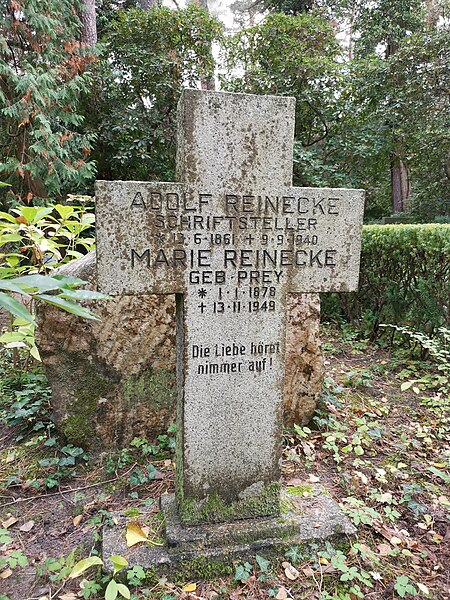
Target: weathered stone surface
(311, 516)
(112, 379)
(231, 238)
(137, 334)
(304, 368)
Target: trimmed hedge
(404, 279)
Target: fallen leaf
(28, 526)
(308, 571)
(77, 520)
(6, 573)
(362, 477)
(395, 541)
(10, 457)
(115, 520)
(423, 588)
(366, 550)
(290, 571)
(384, 549)
(386, 497)
(440, 465)
(282, 594)
(68, 596)
(314, 479)
(8, 522)
(189, 587)
(323, 561)
(135, 535)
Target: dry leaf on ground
(290, 571)
(135, 534)
(28, 526)
(8, 522)
(6, 573)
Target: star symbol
(202, 293)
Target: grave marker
(231, 239)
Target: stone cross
(231, 239)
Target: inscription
(223, 359)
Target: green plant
(44, 70)
(403, 586)
(34, 241)
(242, 572)
(113, 588)
(404, 278)
(132, 106)
(12, 559)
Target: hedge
(404, 279)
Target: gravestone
(231, 240)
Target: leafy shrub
(404, 279)
(33, 242)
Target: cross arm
(139, 248)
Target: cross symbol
(233, 223)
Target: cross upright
(231, 239)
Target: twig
(84, 487)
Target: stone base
(309, 514)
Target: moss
(299, 490)
(78, 427)
(215, 510)
(157, 389)
(286, 505)
(203, 568)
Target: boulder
(114, 379)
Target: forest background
(90, 91)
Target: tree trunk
(432, 14)
(88, 19)
(148, 4)
(400, 184)
(400, 176)
(208, 83)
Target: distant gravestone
(232, 239)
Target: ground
(379, 443)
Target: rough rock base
(314, 516)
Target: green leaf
(111, 591)
(123, 591)
(35, 353)
(66, 280)
(263, 563)
(8, 217)
(84, 564)
(84, 295)
(6, 284)
(406, 385)
(15, 307)
(42, 212)
(64, 211)
(12, 336)
(68, 306)
(119, 562)
(40, 283)
(29, 212)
